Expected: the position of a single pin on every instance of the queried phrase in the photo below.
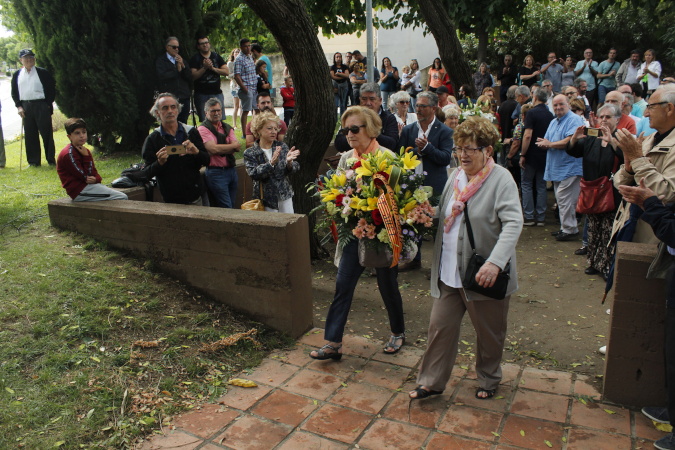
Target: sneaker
(556, 233)
(541, 223)
(656, 413)
(562, 237)
(603, 350)
(581, 251)
(529, 223)
(666, 442)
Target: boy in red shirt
(77, 171)
(288, 94)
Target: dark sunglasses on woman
(354, 129)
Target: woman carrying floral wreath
(487, 193)
(352, 199)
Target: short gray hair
(613, 109)
(541, 94)
(154, 111)
(371, 87)
(630, 100)
(213, 101)
(523, 90)
(400, 96)
(433, 98)
(511, 92)
(578, 81)
(667, 92)
(169, 39)
(451, 110)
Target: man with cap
(33, 92)
(443, 93)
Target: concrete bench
(255, 262)
(634, 366)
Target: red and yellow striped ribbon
(386, 203)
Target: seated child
(77, 171)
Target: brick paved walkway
(362, 402)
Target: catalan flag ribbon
(386, 203)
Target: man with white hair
(618, 99)
(563, 170)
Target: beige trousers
(489, 321)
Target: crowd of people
(600, 133)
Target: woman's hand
(487, 275)
(292, 155)
(578, 134)
(606, 134)
(275, 155)
(91, 180)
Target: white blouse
(449, 272)
(652, 81)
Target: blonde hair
(451, 110)
(369, 117)
(477, 129)
(259, 121)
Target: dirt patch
(555, 318)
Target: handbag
(597, 196)
(498, 290)
(256, 204)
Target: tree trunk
(482, 44)
(438, 20)
(315, 115)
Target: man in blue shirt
(587, 70)
(607, 75)
(562, 169)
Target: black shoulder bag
(498, 290)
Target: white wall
(402, 44)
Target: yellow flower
(372, 204)
(410, 161)
(357, 203)
(410, 206)
(339, 179)
(328, 195)
(365, 170)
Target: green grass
(71, 311)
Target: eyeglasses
(653, 105)
(215, 111)
(605, 117)
(468, 151)
(406, 102)
(371, 99)
(421, 105)
(203, 43)
(354, 129)
(175, 47)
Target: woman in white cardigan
(650, 72)
(490, 197)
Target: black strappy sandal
(321, 354)
(392, 344)
(490, 393)
(423, 393)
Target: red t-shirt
(628, 123)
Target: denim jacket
(276, 186)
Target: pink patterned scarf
(471, 188)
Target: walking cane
(21, 148)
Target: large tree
(102, 54)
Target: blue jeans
(222, 182)
(200, 101)
(529, 176)
(602, 92)
(341, 96)
(349, 272)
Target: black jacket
(48, 84)
(169, 79)
(178, 178)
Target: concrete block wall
(634, 366)
(255, 262)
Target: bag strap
(468, 226)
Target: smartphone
(597, 132)
(176, 150)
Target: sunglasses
(354, 129)
(175, 47)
